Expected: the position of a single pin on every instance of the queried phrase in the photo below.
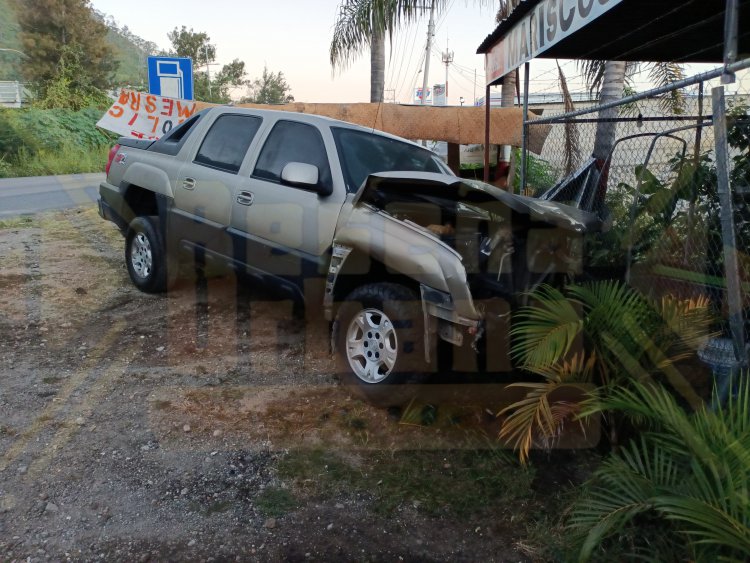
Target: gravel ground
(136, 427)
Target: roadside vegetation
(71, 79)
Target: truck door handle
(188, 183)
(245, 198)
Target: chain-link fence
(660, 185)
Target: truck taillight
(110, 158)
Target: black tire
(149, 267)
(393, 339)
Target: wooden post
(454, 158)
(487, 134)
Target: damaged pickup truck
(405, 258)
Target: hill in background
(9, 61)
(130, 50)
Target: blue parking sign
(170, 77)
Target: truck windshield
(363, 153)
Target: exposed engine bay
(508, 244)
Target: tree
(271, 88)
(193, 45)
(508, 89)
(196, 45)
(231, 75)
(51, 30)
(364, 23)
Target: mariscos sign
(145, 116)
(544, 26)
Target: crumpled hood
(471, 191)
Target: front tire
(380, 343)
(145, 255)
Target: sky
(293, 36)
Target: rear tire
(149, 267)
(380, 343)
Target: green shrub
(679, 492)
(67, 159)
(34, 130)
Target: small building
(14, 95)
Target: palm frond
(623, 488)
(666, 74)
(539, 416)
(358, 20)
(505, 8)
(592, 72)
(687, 323)
(547, 330)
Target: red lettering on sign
(124, 97)
(167, 105)
(186, 111)
(155, 119)
(116, 111)
(136, 134)
(150, 104)
(135, 101)
(135, 116)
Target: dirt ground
(207, 425)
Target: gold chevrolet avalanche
(403, 256)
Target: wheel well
(139, 201)
(360, 269)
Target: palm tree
(508, 89)
(364, 23)
(601, 332)
(679, 491)
(610, 79)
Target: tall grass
(67, 159)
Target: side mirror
(300, 175)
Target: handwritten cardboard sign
(145, 116)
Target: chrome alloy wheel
(140, 255)
(371, 345)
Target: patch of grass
(435, 482)
(68, 159)
(275, 502)
(17, 222)
(51, 380)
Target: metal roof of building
(690, 31)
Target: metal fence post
(524, 141)
(731, 265)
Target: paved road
(22, 196)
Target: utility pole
(447, 60)
(428, 48)
(208, 69)
(475, 86)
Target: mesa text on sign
(145, 116)
(547, 24)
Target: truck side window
(291, 141)
(172, 142)
(226, 143)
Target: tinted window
(172, 142)
(363, 153)
(291, 141)
(227, 142)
